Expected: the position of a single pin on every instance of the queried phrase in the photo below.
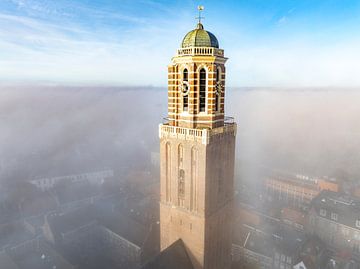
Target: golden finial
(200, 8)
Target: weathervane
(200, 8)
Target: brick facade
(197, 152)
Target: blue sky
(124, 42)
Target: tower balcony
(201, 135)
(207, 51)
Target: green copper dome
(199, 38)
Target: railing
(200, 51)
(229, 120)
(167, 120)
(199, 135)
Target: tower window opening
(185, 85)
(186, 103)
(181, 155)
(217, 102)
(185, 75)
(168, 172)
(193, 184)
(202, 92)
(181, 187)
(218, 93)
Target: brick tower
(197, 151)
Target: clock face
(219, 88)
(185, 87)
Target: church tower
(197, 151)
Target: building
(63, 228)
(252, 247)
(244, 213)
(335, 219)
(13, 234)
(197, 148)
(106, 239)
(293, 191)
(268, 246)
(313, 254)
(356, 192)
(297, 190)
(33, 254)
(174, 257)
(94, 178)
(6, 262)
(293, 217)
(287, 245)
(328, 184)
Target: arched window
(181, 187)
(180, 155)
(218, 93)
(168, 172)
(185, 75)
(185, 90)
(194, 172)
(202, 90)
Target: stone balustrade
(200, 51)
(200, 135)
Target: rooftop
(259, 243)
(287, 240)
(6, 262)
(41, 257)
(127, 228)
(293, 215)
(346, 207)
(295, 182)
(13, 234)
(174, 257)
(199, 38)
(63, 223)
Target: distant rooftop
(63, 223)
(259, 244)
(127, 228)
(43, 256)
(346, 207)
(6, 262)
(13, 234)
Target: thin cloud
(295, 63)
(282, 20)
(86, 47)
